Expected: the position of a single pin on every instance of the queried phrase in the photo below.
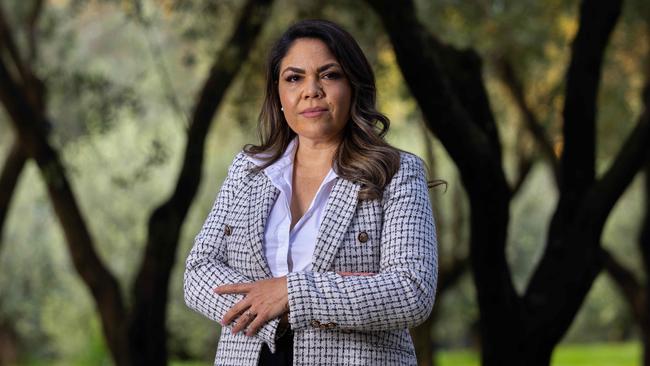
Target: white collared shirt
(291, 250)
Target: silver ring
(249, 314)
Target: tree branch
(515, 87)
(7, 41)
(151, 286)
(636, 150)
(33, 87)
(29, 125)
(422, 62)
(32, 21)
(464, 70)
(576, 252)
(8, 180)
(644, 235)
(525, 165)
(157, 56)
(463, 123)
(450, 274)
(631, 289)
(577, 162)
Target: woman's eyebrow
(302, 71)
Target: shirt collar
(261, 158)
(278, 168)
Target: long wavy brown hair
(363, 156)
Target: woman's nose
(313, 89)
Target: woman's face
(314, 92)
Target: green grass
(593, 354)
(614, 354)
(457, 358)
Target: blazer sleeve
(207, 266)
(402, 294)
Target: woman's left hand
(265, 300)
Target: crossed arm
(401, 295)
(207, 266)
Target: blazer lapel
(263, 194)
(339, 211)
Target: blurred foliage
(122, 81)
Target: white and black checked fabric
(337, 320)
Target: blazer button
(315, 323)
(363, 237)
(227, 229)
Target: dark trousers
(283, 355)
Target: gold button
(363, 237)
(227, 230)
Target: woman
(320, 248)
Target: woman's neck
(315, 154)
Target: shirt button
(363, 237)
(227, 230)
(315, 323)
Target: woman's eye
(292, 78)
(332, 75)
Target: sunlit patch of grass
(592, 354)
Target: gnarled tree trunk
(448, 87)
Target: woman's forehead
(308, 53)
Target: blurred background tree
(123, 80)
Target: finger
(234, 288)
(235, 311)
(246, 318)
(256, 324)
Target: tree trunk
(644, 246)
(138, 336)
(422, 341)
(9, 344)
(448, 275)
(448, 87)
(147, 330)
(8, 180)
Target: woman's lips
(313, 113)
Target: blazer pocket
(236, 236)
(360, 250)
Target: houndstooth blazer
(337, 320)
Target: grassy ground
(609, 354)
